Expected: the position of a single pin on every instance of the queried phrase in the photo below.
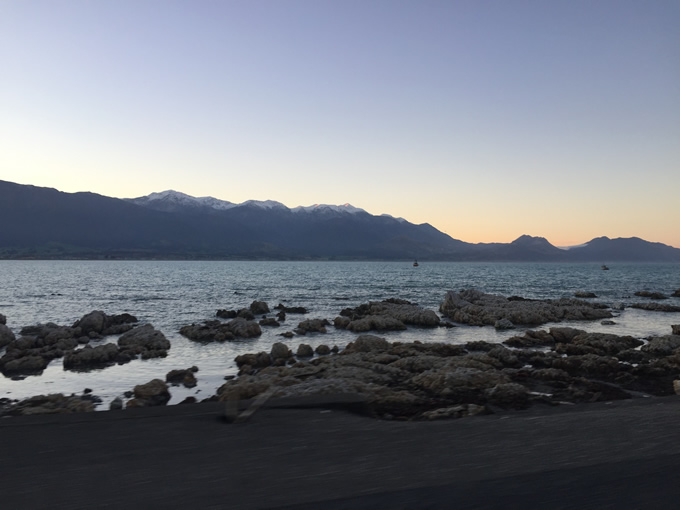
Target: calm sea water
(172, 294)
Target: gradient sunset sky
(486, 119)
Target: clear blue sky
(486, 119)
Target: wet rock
(145, 341)
(651, 295)
(304, 351)
(387, 315)
(217, 331)
(259, 308)
(97, 323)
(676, 293)
(89, 357)
(478, 309)
(226, 314)
(322, 350)
(608, 323)
(458, 411)
(280, 351)
(312, 326)
(367, 343)
(255, 361)
(184, 377)
(3, 319)
(153, 393)
(290, 309)
(24, 365)
(675, 329)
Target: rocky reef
(476, 308)
(434, 380)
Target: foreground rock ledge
(476, 308)
(434, 380)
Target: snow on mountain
(345, 208)
(400, 220)
(172, 200)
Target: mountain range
(39, 222)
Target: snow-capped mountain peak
(345, 208)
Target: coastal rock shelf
(476, 308)
(433, 380)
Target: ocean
(171, 294)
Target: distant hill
(46, 223)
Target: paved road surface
(623, 454)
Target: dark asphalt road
(623, 454)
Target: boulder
(676, 293)
(153, 393)
(218, 331)
(259, 308)
(184, 377)
(322, 350)
(304, 351)
(280, 351)
(675, 329)
(387, 315)
(367, 343)
(662, 346)
(290, 309)
(312, 326)
(146, 341)
(3, 319)
(504, 324)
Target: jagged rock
(217, 331)
(97, 323)
(259, 308)
(25, 365)
(651, 295)
(367, 343)
(304, 351)
(291, 309)
(185, 377)
(226, 314)
(145, 340)
(259, 360)
(387, 315)
(153, 393)
(312, 326)
(89, 357)
(478, 309)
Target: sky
(486, 119)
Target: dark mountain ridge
(46, 223)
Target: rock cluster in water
(476, 308)
(433, 380)
(38, 345)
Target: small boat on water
(604, 268)
(415, 263)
